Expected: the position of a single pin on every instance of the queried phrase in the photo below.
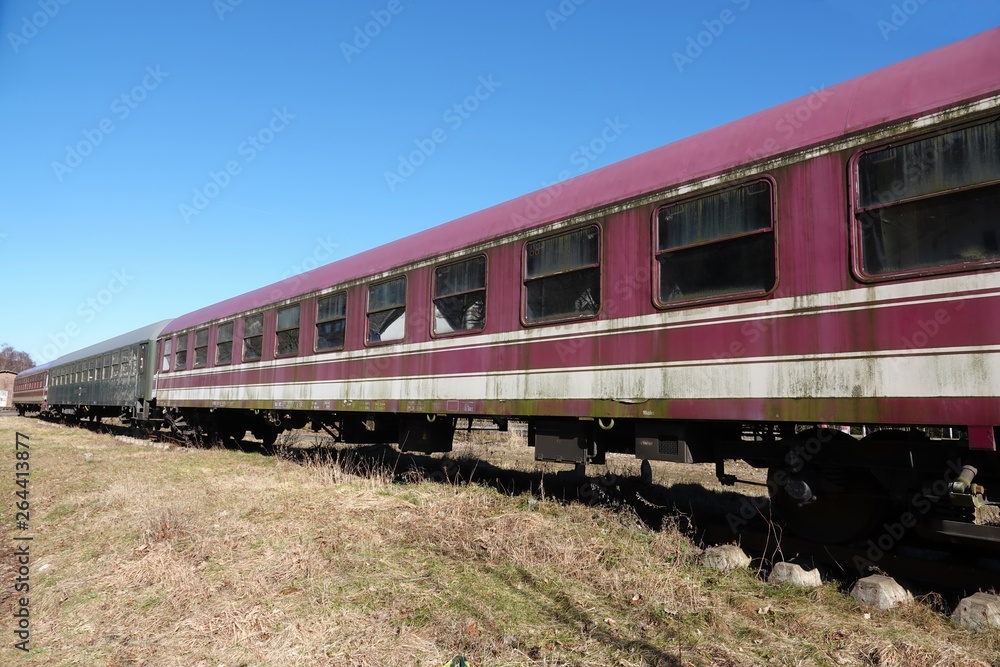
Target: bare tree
(14, 360)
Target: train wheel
(822, 502)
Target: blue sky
(162, 156)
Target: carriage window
(460, 296)
(387, 310)
(166, 355)
(126, 366)
(181, 356)
(930, 203)
(721, 245)
(331, 321)
(563, 276)
(114, 364)
(253, 337)
(201, 348)
(288, 332)
(224, 344)
(104, 373)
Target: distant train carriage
(110, 379)
(31, 389)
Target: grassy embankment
(216, 557)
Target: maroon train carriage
(831, 261)
(31, 388)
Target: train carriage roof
(140, 335)
(964, 71)
(37, 369)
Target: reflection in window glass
(201, 348)
(387, 310)
(932, 202)
(224, 344)
(563, 276)
(180, 357)
(331, 321)
(718, 245)
(253, 337)
(460, 296)
(166, 355)
(288, 331)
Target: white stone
(725, 557)
(880, 592)
(790, 573)
(978, 611)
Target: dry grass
(215, 557)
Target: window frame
(181, 366)
(232, 338)
(854, 197)
(317, 322)
(368, 312)
(601, 260)
(715, 298)
(194, 361)
(166, 355)
(244, 337)
(485, 289)
(297, 327)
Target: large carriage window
(224, 344)
(181, 356)
(253, 337)
(387, 310)
(331, 322)
(114, 364)
(721, 245)
(460, 296)
(126, 367)
(166, 355)
(931, 203)
(563, 276)
(288, 332)
(201, 348)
